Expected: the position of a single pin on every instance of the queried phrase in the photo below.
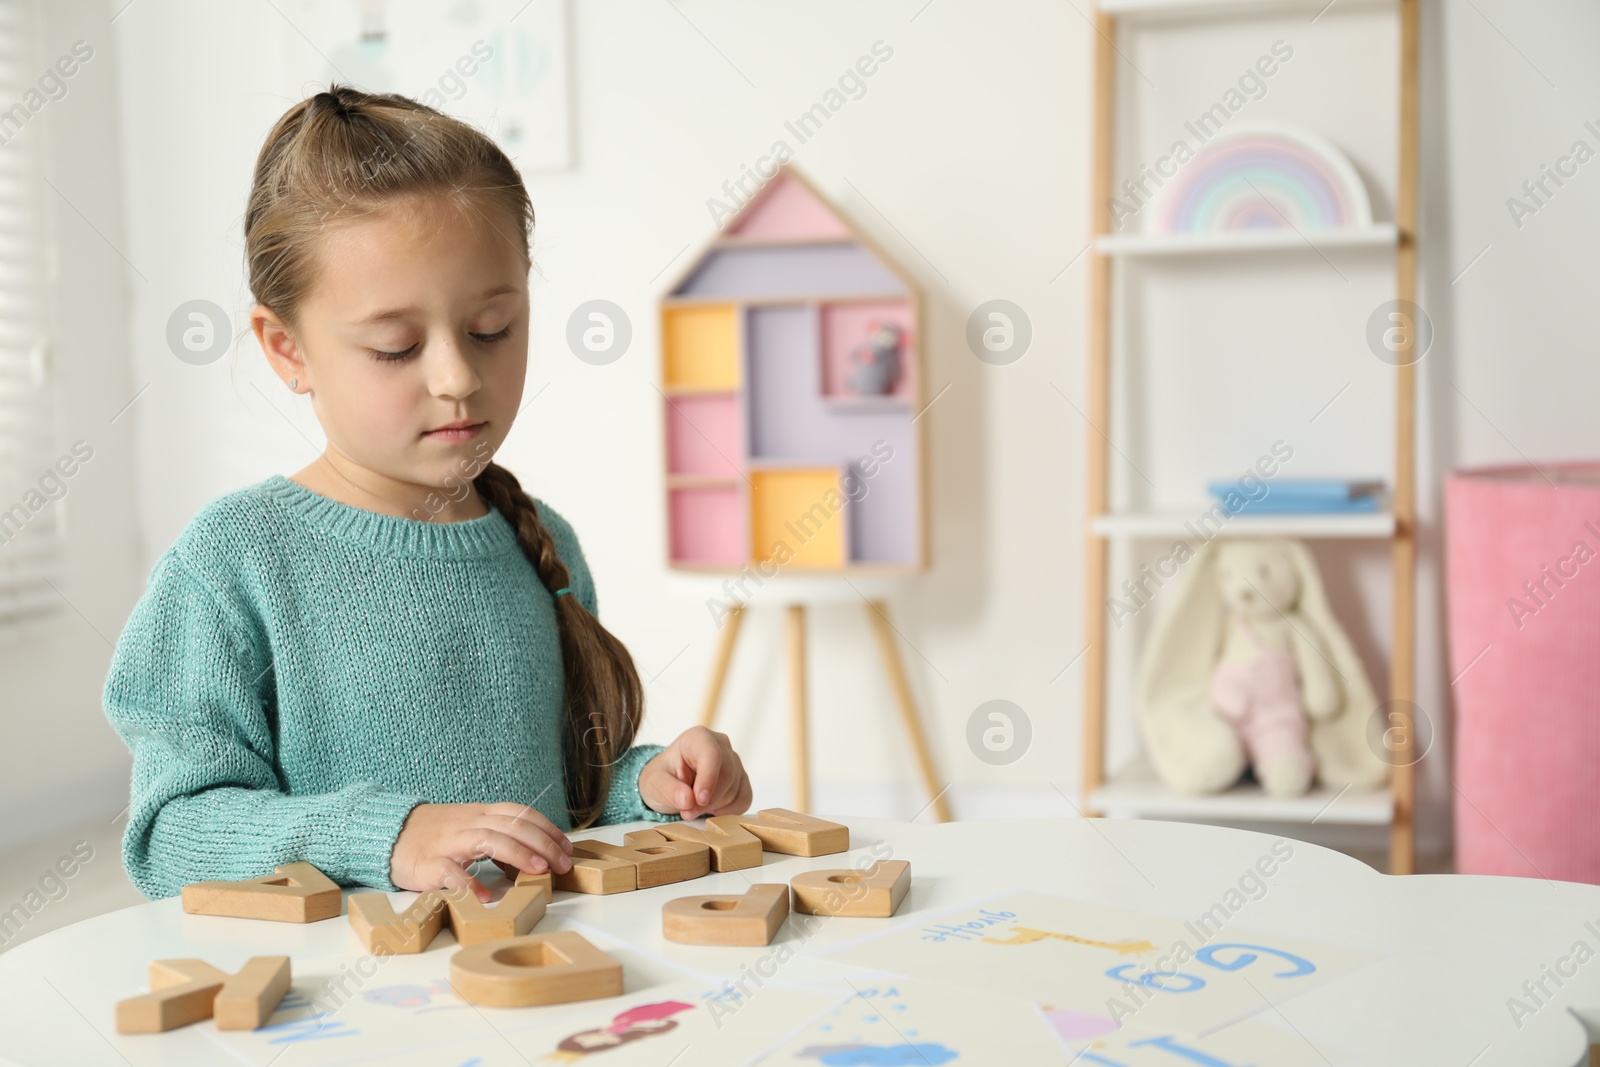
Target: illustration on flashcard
(1093, 964)
(920, 1023)
(1076, 1025)
(634, 1024)
(1243, 1044)
(868, 1034)
(416, 998)
(904, 1052)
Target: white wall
(968, 159)
(59, 761)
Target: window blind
(31, 498)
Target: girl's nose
(451, 373)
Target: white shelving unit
(1134, 790)
(1163, 524)
(1153, 9)
(1136, 793)
(1379, 235)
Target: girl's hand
(698, 774)
(439, 841)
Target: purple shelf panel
(790, 422)
(790, 270)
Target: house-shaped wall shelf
(791, 371)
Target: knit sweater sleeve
(184, 693)
(623, 803)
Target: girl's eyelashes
(390, 357)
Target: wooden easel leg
(719, 666)
(877, 611)
(797, 707)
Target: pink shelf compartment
(843, 327)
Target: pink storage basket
(1522, 556)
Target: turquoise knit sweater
(300, 673)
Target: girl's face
(418, 320)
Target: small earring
(294, 382)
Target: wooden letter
(791, 833)
(733, 848)
(749, 919)
(592, 873)
(249, 998)
(656, 859)
(295, 893)
(181, 992)
(521, 972)
(473, 922)
(186, 991)
(374, 922)
(543, 878)
(875, 892)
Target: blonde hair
(344, 155)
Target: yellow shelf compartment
(803, 508)
(700, 348)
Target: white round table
(1417, 970)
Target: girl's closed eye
(483, 338)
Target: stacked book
(1286, 496)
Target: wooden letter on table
(474, 922)
(521, 972)
(656, 859)
(296, 893)
(875, 892)
(249, 998)
(542, 878)
(374, 922)
(592, 873)
(733, 848)
(752, 918)
(186, 991)
(790, 832)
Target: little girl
(387, 665)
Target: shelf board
(1135, 793)
(699, 390)
(1193, 8)
(850, 400)
(701, 481)
(785, 463)
(886, 570)
(1378, 235)
(736, 240)
(1297, 524)
(787, 299)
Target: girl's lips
(463, 434)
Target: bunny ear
(1343, 754)
(1187, 744)
(1176, 662)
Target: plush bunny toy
(1272, 671)
(1247, 665)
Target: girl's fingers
(679, 788)
(740, 800)
(707, 761)
(523, 847)
(733, 779)
(531, 816)
(453, 878)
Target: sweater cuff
(624, 803)
(367, 840)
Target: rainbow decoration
(1263, 177)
